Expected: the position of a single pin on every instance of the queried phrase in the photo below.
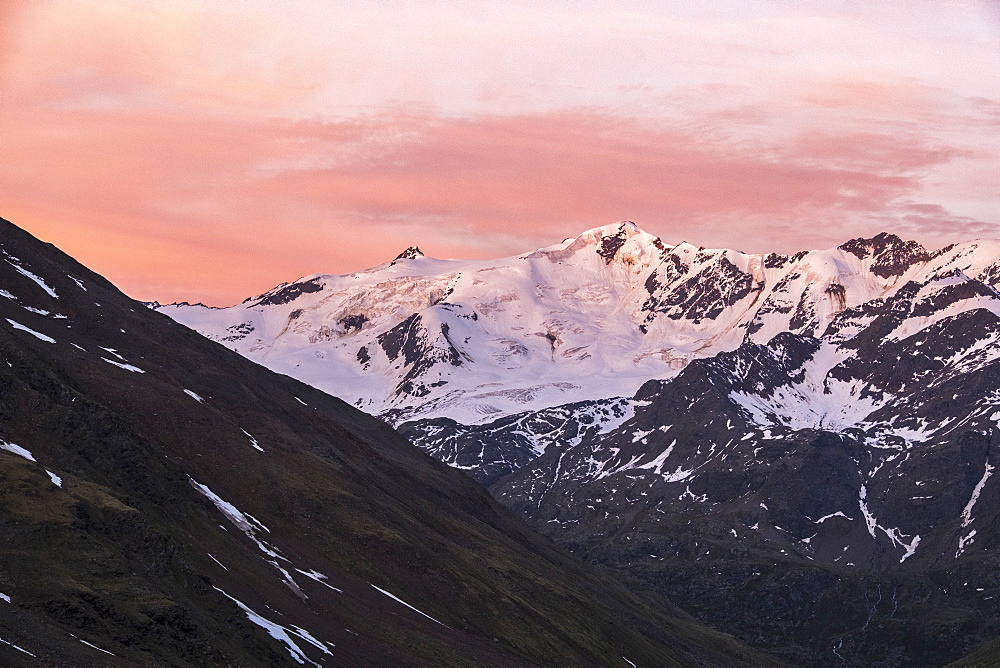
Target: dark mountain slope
(872, 541)
(163, 500)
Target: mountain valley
(797, 449)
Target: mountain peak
(610, 239)
(411, 253)
(622, 228)
(891, 255)
(877, 245)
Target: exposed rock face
(891, 255)
(490, 451)
(288, 293)
(411, 253)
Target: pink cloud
(192, 152)
(538, 172)
(152, 196)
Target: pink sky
(206, 151)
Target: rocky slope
(165, 501)
(797, 447)
(877, 539)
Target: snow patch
(36, 278)
(122, 365)
(964, 542)
(243, 522)
(23, 328)
(967, 512)
(194, 396)
(641, 435)
(318, 577)
(678, 475)
(96, 647)
(657, 464)
(399, 600)
(894, 534)
(282, 634)
(250, 525)
(253, 441)
(16, 449)
(20, 649)
(216, 561)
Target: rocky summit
(795, 448)
(164, 501)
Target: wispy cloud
(192, 151)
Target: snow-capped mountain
(724, 426)
(469, 340)
(592, 317)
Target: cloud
(310, 196)
(935, 221)
(196, 150)
(534, 174)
